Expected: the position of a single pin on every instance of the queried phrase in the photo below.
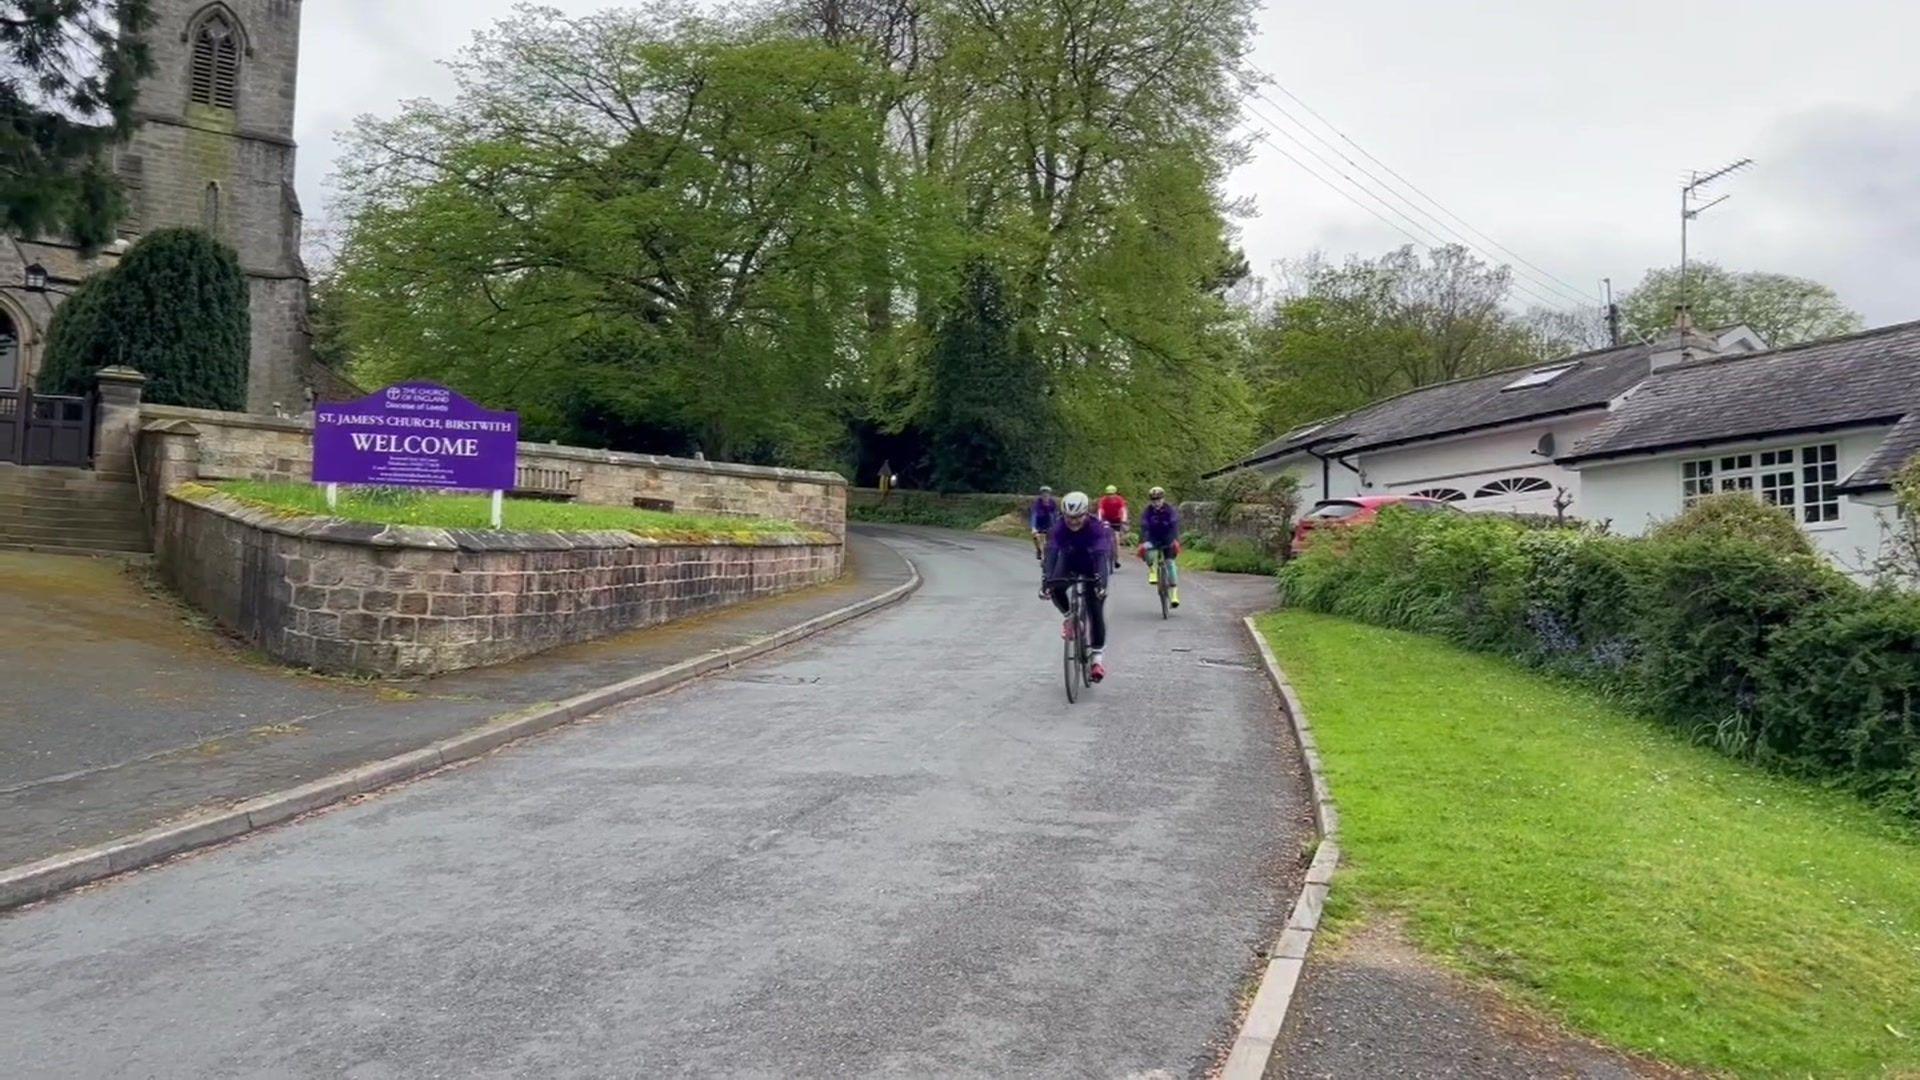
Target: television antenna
(1691, 207)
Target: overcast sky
(1558, 129)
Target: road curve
(892, 850)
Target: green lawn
(387, 506)
(1198, 559)
(1651, 893)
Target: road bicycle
(1078, 644)
(1157, 567)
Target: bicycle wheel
(1086, 641)
(1070, 651)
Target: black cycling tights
(1096, 611)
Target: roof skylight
(1538, 377)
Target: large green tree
(1782, 309)
(69, 74)
(989, 420)
(175, 309)
(646, 215)
(748, 234)
(1084, 146)
(1350, 333)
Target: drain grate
(1236, 665)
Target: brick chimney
(1684, 344)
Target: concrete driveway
(893, 850)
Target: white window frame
(1802, 480)
(1507, 486)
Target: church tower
(215, 151)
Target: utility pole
(1688, 211)
(1613, 313)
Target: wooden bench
(545, 482)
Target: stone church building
(214, 150)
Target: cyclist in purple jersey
(1080, 546)
(1045, 511)
(1160, 531)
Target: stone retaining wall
(1267, 526)
(242, 446)
(351, 598)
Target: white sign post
(333, 496)
(496, 507)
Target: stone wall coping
(226, 419)
(304, 424)
(371, 534)
(656, 461)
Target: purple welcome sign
(415, 435)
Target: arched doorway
(12, 369)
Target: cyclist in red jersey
(1113, 511)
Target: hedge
(175, 309)
(1770, 655)
(961, 511)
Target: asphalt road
(116, 713)
(893, 850)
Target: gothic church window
(215, 79)
(210, 210)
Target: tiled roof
(1878, 471)
(63, 262)
(1469, 404)
(1289, 442)
(1866, 378)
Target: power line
(1469, 226)
(1519, 277)
(1337, 189)
(1431, 239)
(1551, 280)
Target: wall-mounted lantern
(36, 278)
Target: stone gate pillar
(116, 423)
(169, 457)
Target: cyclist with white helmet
(1080, 546)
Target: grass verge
(1650, 892)
(1199, 559)
(389, 506)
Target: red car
(1359, 510)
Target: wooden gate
(45, 429)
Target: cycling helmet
(1045, 490)
(1075, 504)
(1157, 493)
(1111, 490)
